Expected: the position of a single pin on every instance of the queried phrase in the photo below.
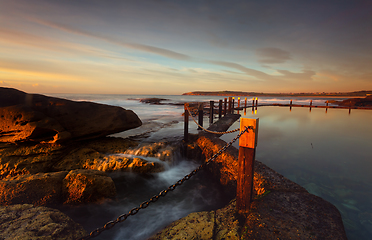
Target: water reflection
(327, 152)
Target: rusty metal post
(219, 109)
(200, 114)
(247, 152)
(211, 108)
(186, 124)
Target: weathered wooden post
(247, 152)
(290, 106)
(211, 113)
(253, 102)
(233, 105)
(245, 106)
(311, 103)
(326, 106)
(224, 107)
(230, 102)
(186, 124)
(238, 104)
(219, 109)
(200, 114)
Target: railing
(248, 141)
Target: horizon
(170, 48)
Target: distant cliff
(315, 94)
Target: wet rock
(38, 189)
(34, 117)
(156, 101)
(83, 186)
(23, 221)
(161, 150)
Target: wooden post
(311, 103)
(256, 101)
(290, 106)
(238, 104)
(233, 105)
(247, 152)
(224, 107)
(219, 109)
(211, 108)
(186, 124)
(230, 102)
(326, 106)
(200, 114)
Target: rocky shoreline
(38, 174)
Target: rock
(219, 224)
(356, 102)
(293, 215)
(74, 187)
(38, 189)
(19, 159)
(32, 158)
(161, 150)
(83, 186)
(28, 222)
(156, 101)
(34, 117)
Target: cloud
(142, 47)
(305, 75)
(255, 73)
(272, 55)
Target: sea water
(327, 151)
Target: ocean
(329, 152)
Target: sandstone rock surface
(23, 221)
(83, 186)
(37, 189)
(34, 117)
(49, 189)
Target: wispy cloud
(272, 55)
(142, 47)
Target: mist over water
(327, 152)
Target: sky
(177, 46)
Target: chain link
(163, 193)
(235, 130)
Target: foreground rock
(28, 222)
(49, 189)
(281, 209)
(34, 117)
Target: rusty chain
(235, 130)
(155, 198)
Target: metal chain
(235, 130)
(155, 198)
